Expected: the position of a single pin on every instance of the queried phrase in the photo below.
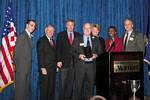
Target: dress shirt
(85, 40)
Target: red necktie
(51, 43)
(70, 39)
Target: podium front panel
(126, 65)
(125, 68)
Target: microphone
(112, 45)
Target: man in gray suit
(23, 61)
(132, 40)
(85, 50)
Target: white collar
(48, 38)
(29, 34)
(129, 33)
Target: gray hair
(128, 19)
(87, 24)
(49, 25)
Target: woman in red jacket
(113, 43)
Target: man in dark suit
(65, 60)
(23, 61)
(85, 62)
(46, 53)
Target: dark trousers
(21, 85)
(67, 82)
(102, 80)
(47, 84)
(84, 75)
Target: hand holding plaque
(88, 51)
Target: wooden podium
(122, 70)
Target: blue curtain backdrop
(103, 12)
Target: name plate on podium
(126, 66)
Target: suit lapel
(48, 43)
(29, 40)
(131, 38)
(93, 42)
(75, 35)
(54, 45)
(82, 42)
(66, 38)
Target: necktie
(88, 42)
(70, 39)
(51, 43)
(125, 41)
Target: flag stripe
(7, 45)
(1, 81)
(7, 62)
(5, 70)
(7, 50)
(3, 77)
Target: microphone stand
(113, 44)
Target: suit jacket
(116, 47)
(46, 54)
(64, 49)
(78, 45)
(23, 53)
(102, 43)
(101, 58)
(135, 42)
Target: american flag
(7, 47)
(147, 55)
